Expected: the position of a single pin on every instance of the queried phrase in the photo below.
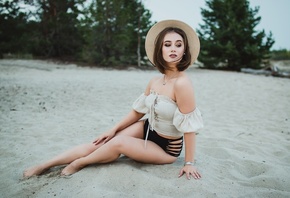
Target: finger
(196, 175)
(106, 139)
(188, 176)
(98, 141)
(181, 172)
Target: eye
(178, 44)
(167, 44)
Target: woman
(172, 46)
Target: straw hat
(192, 37)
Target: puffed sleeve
(191, 122)
(139, 104)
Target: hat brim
(193, 40)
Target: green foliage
(15, 30)
(59, 36)
(282, 54)
(100, 32)
(228, 37)
(113, 35)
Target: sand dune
(45, 108)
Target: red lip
(172, 55)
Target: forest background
(111, 33)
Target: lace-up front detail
(164, 116)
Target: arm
(132, 117)
(185, 99)
(189, 169)
(189, 142)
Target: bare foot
(36, 170)
(71, 169)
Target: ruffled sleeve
(139, 104)
(191, 122)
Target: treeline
(282, 54)
(112, 32)
(229, 37)
(98, 32)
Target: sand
(46, 108)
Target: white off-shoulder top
(164, 116)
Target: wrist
(189, 163)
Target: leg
(64, 158)
(78, 152)
(130, 146)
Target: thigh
(135, 149)
(135, 130)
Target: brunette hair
(158, 60)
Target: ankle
(78, 163)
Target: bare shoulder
(183, 83)
(184, 94)
(151, 82)
(154, 79)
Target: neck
(172, 65)
(168, 75)
(171, 73)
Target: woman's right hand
(105, 137)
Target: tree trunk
(139, 38)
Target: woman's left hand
(190, 170)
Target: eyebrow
(171, 41)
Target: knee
(118, 142)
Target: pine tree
(59, 35)
(228, 37)
(99, 32)
(116, 27)
(52, 32)
(15, 30)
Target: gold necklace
(164, 80)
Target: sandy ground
(46, 108)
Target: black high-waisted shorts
(171, 146)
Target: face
(173, 47)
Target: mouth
(172, 55)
